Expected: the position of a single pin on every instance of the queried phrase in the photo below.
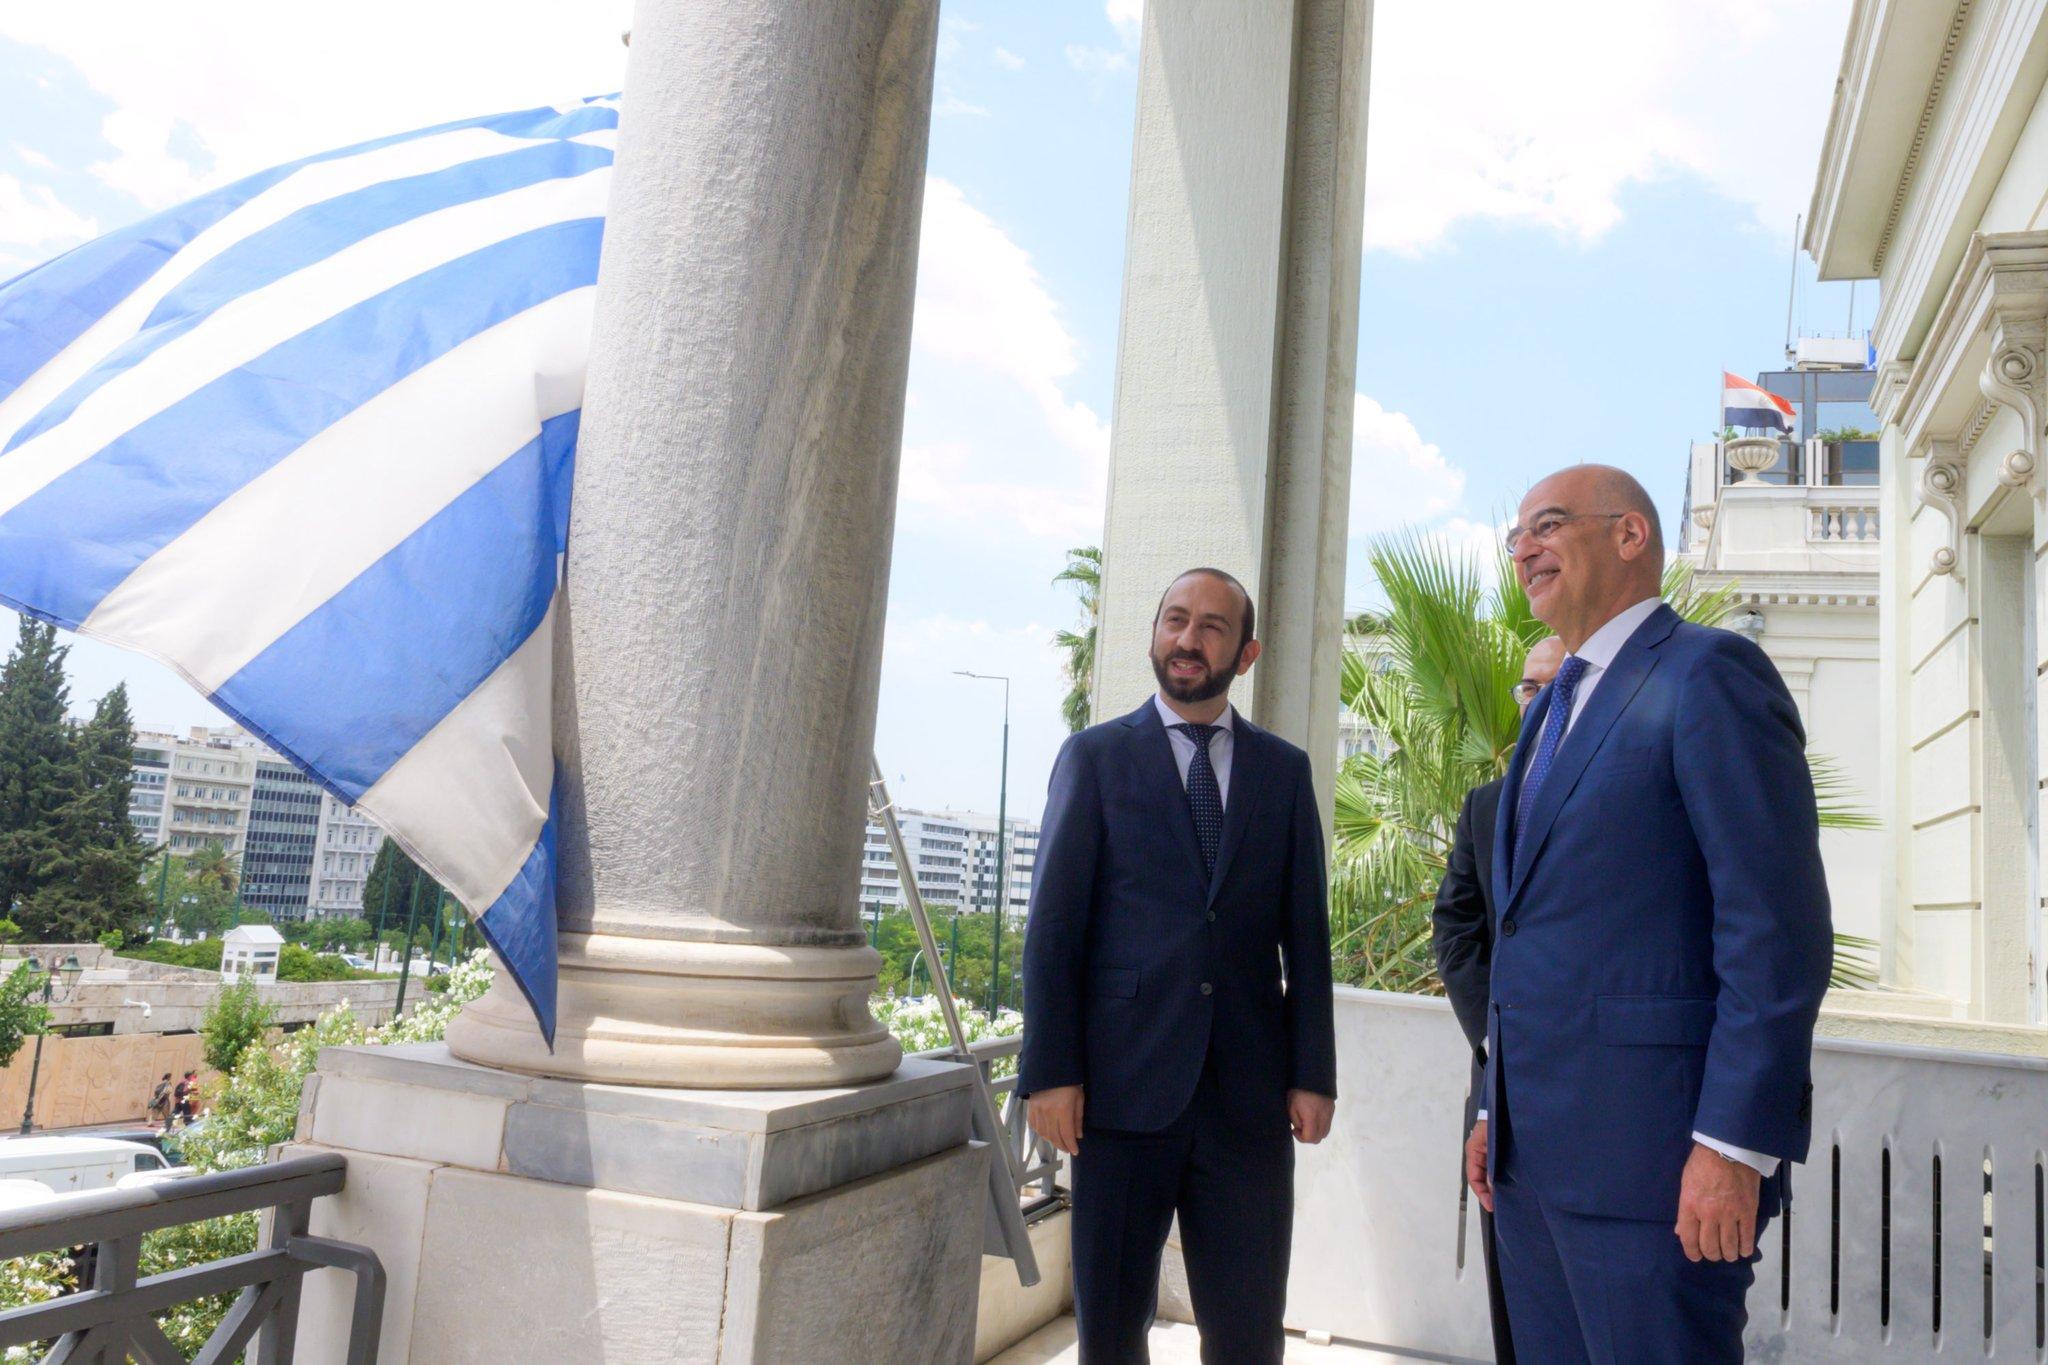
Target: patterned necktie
(1205, 798)
(1554, 722)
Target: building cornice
(1994, 74)
(1896, 56)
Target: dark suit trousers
(1585, 1290)
(1234, 1193)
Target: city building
(1019, 853)
(953, 854)
(344, 850)
(1933, 181)
(1797, 540)
(192, 790)
(301, 851)
(284, 819)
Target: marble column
(729, 554)
(1232, 432)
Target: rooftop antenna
(1792, 290)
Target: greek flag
(307, 440)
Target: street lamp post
(70, 971)
(995, 965)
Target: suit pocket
(1117, 981)
(1654, 1020)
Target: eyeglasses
(1545, 528)
(1526, 690)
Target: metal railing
(1036, 1161)
(114, 1320)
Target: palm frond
(1835, 796)
(1853, 968)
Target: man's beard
(1212, 684)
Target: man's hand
(1475, 1166)
(1717, 1201)
(1309, 1115)
(1056, 1116)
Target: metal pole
(995, 969)
(163, 875)
(35, 1067)
(412, 919)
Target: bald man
(1661, 946)
(1462, 925)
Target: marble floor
(1175, 1343)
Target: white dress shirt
(1220, 745)
(1599, 652)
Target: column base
(526, 1219)
(677, 1012)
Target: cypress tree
(90, 873)
(38, 766)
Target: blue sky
(1571, 231)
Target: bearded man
(1177, 1004)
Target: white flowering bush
(920, 1025)
(256, 1108)
(32, 1279)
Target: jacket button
(1208, 989)
(1507, 928)
(1212, 917)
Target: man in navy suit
(1661, 946)
(1462, 928)
(1177, 1010)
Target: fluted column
(729, 552)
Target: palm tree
(210, 867)
(1432, 677)
(1084, 571)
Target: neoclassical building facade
(1933, 180)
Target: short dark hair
(1251, 610)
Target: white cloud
(34, 157)
(980, 302)
(1003, 57)
(34, 222)
(953, 480)
(1095, 61)
(256, 83)
(144, 166)
(1498, 110)
(950, 105)
(1396, 476)
(1128, 16)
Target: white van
(70, 1164)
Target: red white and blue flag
(1744, 404)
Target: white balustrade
(1916, 1228)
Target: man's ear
(1635, 534)
(1246, 657)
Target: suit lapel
(1510, 798)
(1162, 776)
(1617, 687)
(1247, 776)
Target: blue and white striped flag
(307, 440)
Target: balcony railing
(1033, 1162)
(1917, 1227)
(1836, 523)
(114, 1320)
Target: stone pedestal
(521, 1218)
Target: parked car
(70, 1164)
(358, 961)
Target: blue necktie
(1205, 798)
(1554, 722)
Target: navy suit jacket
(1136, 964)
(1663, 940)
(1462, 926)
